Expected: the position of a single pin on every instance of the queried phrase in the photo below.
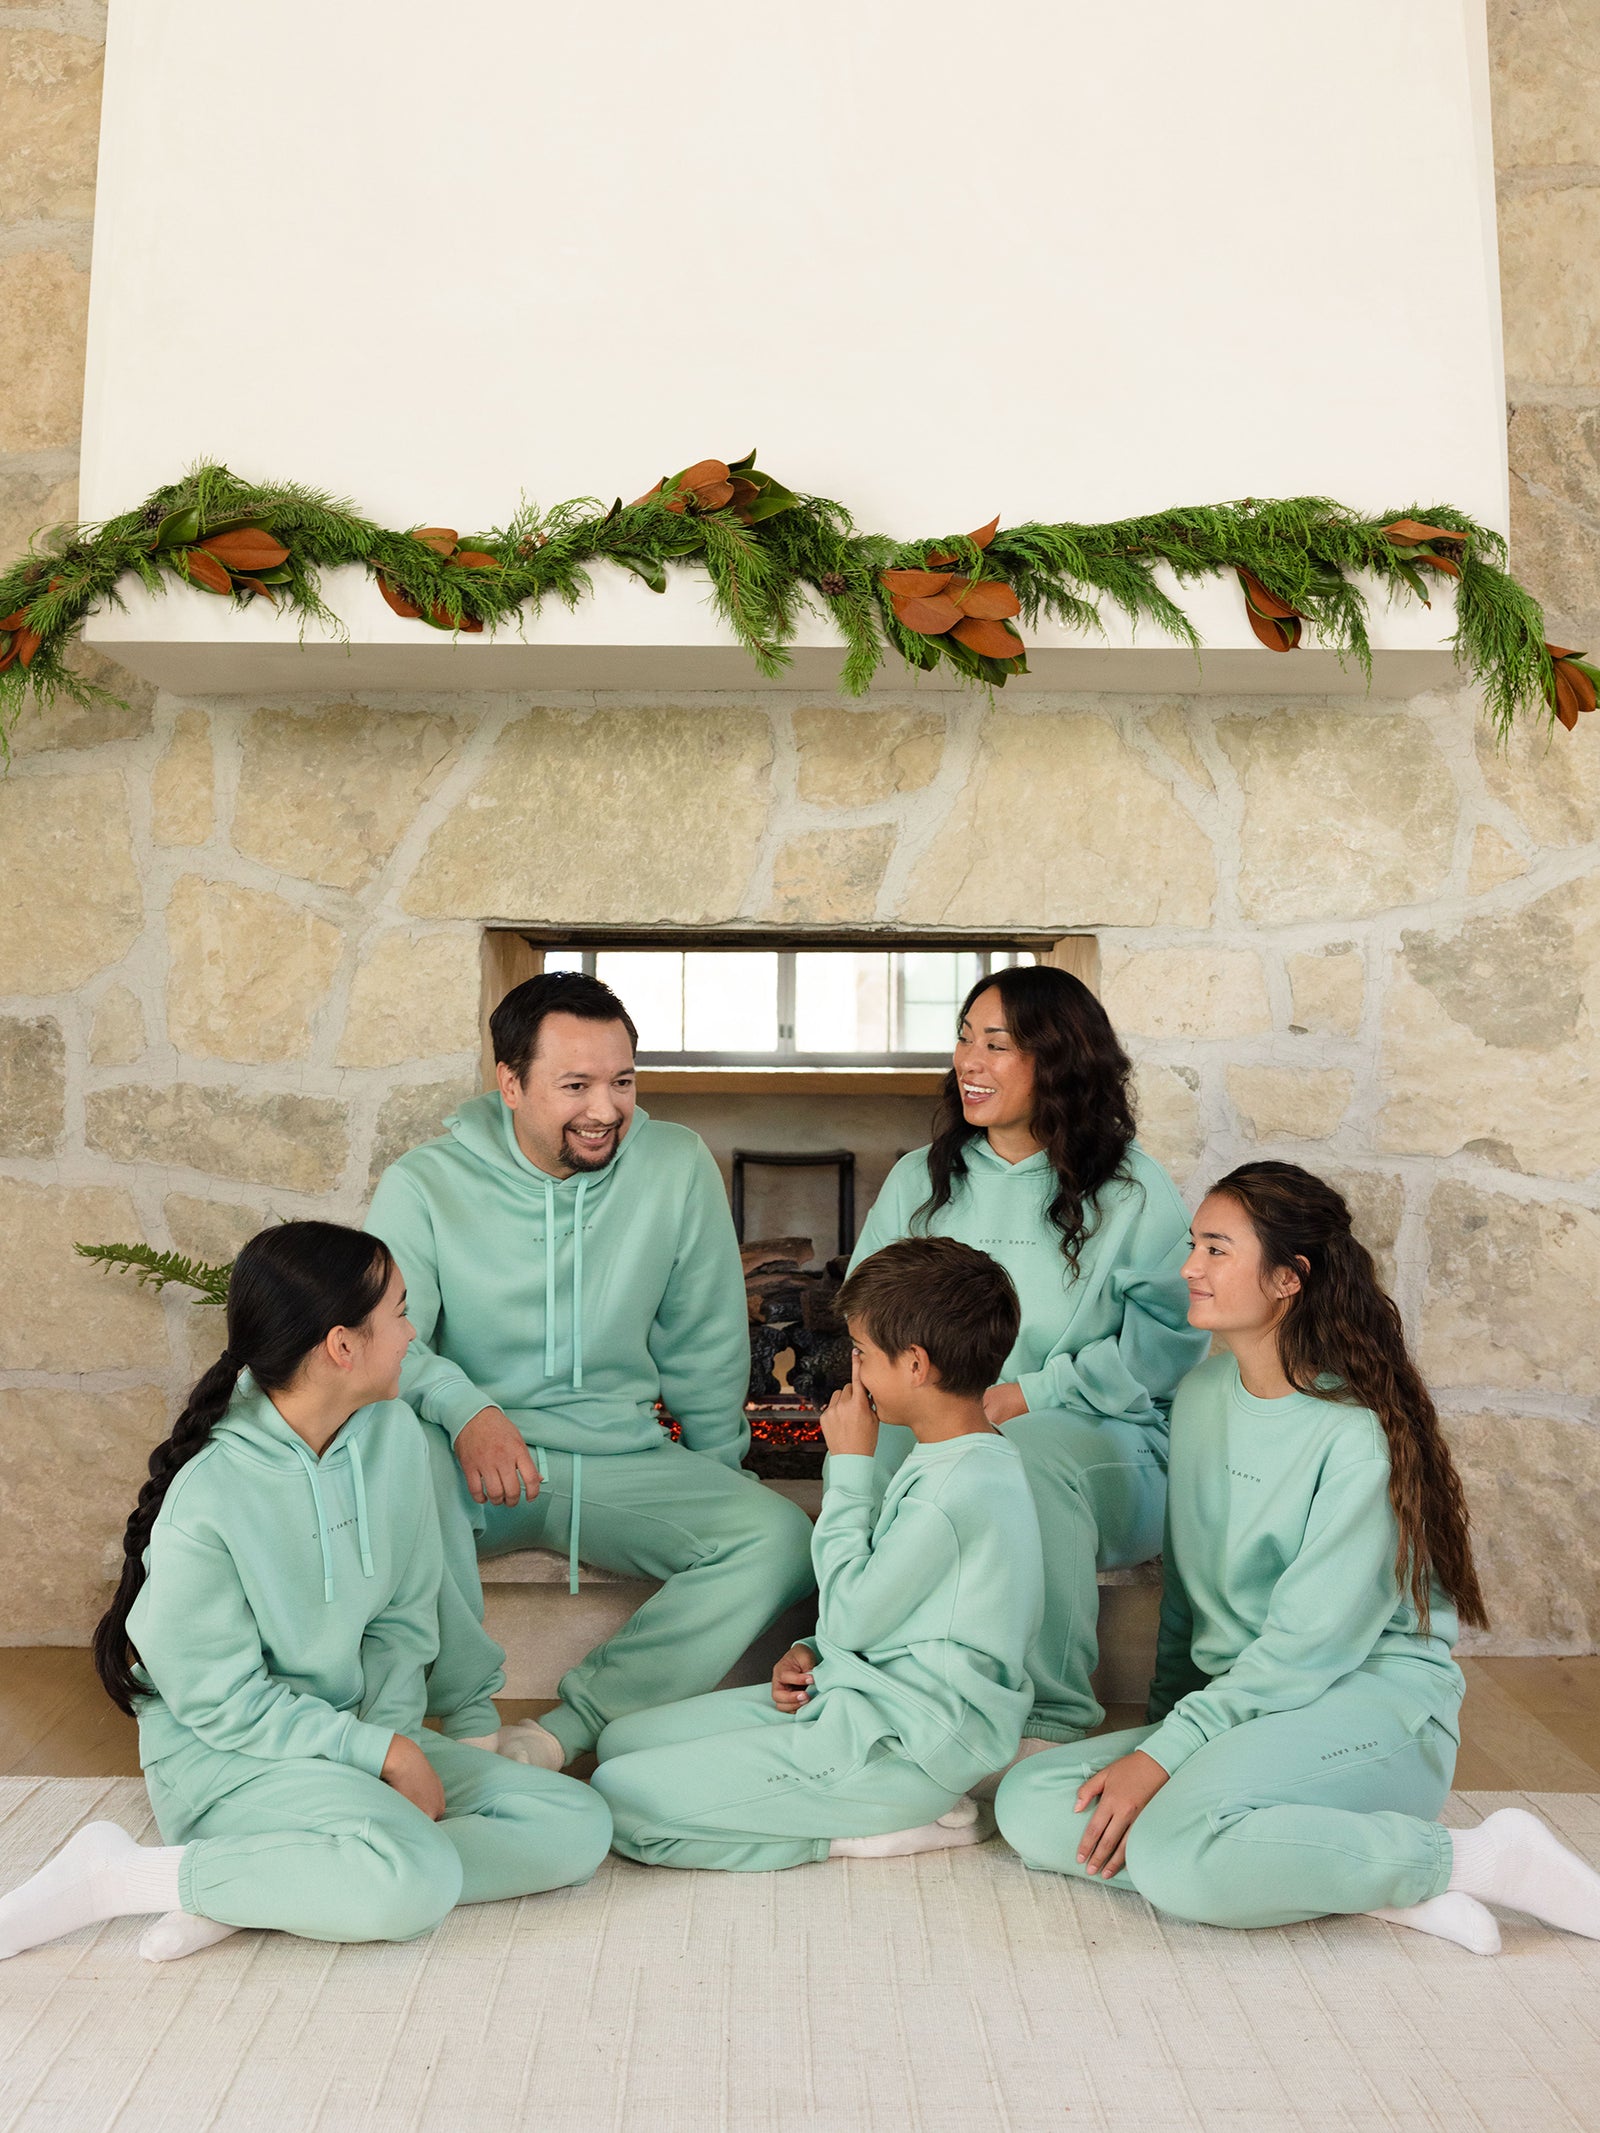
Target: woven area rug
(952, 1992)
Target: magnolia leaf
(16, 621)
(179, 529)
(398, 600)
(205, 570)
(8, 650)
(914, 584)
(1430, 561)
(281, 576)
(993, 639)
(256, 585)
(474, 559)
(234, 525)
(1277, 633)
(653, 573)
(1406, 532)
(988, 598)
(774, 498)
(745, 466)
(441, 539)
(712, 495)
(246, 549)
(27, 643)
(929, 617)
(985, 534)
(1414, 579)
(1262, 601)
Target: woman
(1317, 1564)
(275, 1620)
(1033, 1160)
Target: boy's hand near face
(848, 1422)
(792, 1677)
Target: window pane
(650, 986)
(932, 987)
(841, 1002)
(730, 1002)
(563, 959)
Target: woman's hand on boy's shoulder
(848, 1422)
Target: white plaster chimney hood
(1056, 260)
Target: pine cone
(833, 583)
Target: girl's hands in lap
(1124, 1789)
(408, 1770)
(791, 1677)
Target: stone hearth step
(545, 1628)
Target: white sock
(100, 1873)
(180, 1933)
(1513, 1859)
(529, 1742)
(1452, 1916)
(959, 1826)
(488, 1742)
(987, 1787)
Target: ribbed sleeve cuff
(454, 1406)
(1172, 1743)
(850, 1474)
(367, 1747)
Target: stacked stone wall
(239, 968)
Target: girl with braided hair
(1305, 1709)
(272, 1632)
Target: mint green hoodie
(1112, 1340)
(927, 1602)
(1278, 1575)
(572, 1303)
(290, 1607)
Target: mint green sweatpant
(730, 1781)
(1100, 1489)
(731, 1556)
(332, 1853)
(1303, 1814)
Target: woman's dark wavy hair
(1082, 1109)
(1340, 1323)
(289, 1288)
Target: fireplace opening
(799, 1060)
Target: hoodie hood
(255, 1427)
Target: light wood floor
(1529, 1724)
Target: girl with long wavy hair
(1305, 1708)
(1034, 1161)
(276, 1617)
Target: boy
(865, 1747)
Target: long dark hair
(1082, 1108)
(289, 1288)
(1341, 1323)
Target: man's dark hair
(515, 1023)
(936, 1294)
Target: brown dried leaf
(28, 642)
(16, 621)
(1410, 532)
(248, 549)
(930, 617)
(256, 586)
(1278, 634)
(475, 559)
(397, 599)
(985, 534)
(704, 473)
(712, 495)
(1567, 706)
(993, 639)
(206, 571)
(8, 650)
(1262, 601)
(914, 584)
(989, 600)
(441, 539)
(1438, 562)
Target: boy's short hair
(937, 1294)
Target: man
(568, 1262)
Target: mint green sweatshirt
(574, 1303)
(1279, 1566)
(290, 1607)
(926, 1605)
(1115, 1339)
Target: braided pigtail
(205, 1408)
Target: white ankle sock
(488, 1742)
(1513, 1859)
(99, 1873)
(960, 1826)
(987, 1787)
(1452, 1916)
(180, 1933)
(529, 1742)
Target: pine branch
(153, 1269)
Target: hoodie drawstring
(542, 1462)
(310, 1465)
(549, 1280)
(577, 1284)
(358, 1481)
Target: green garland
(767, 552)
